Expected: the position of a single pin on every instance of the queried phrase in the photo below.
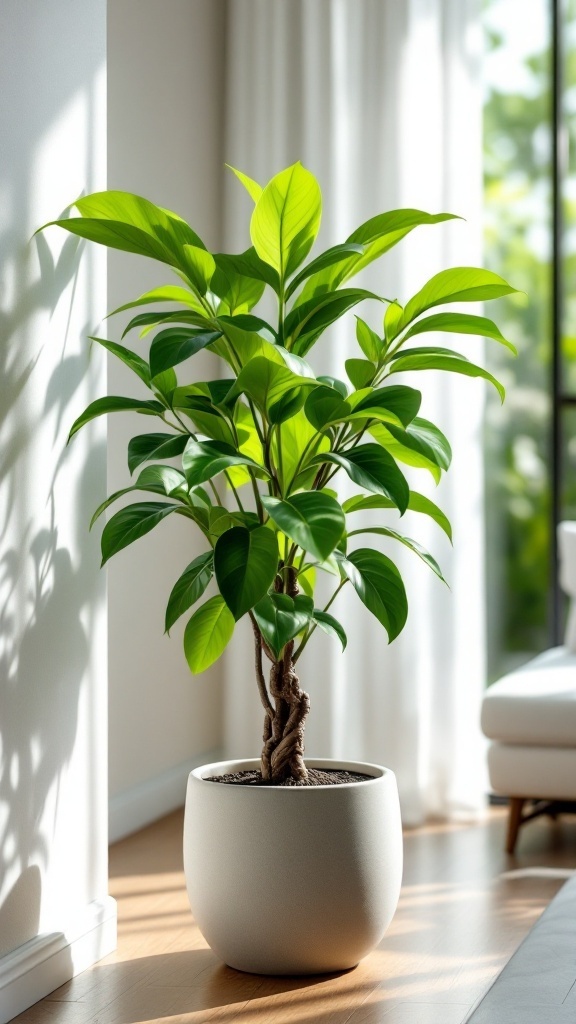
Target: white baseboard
(47, 961)
(142, 804)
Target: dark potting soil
(316, 777)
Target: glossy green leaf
(266, 383)
(392, 318)
(306, 321)
(371, 467)
(393, 404)
(379, 586)
(422, 445)
(203, 460)
(377, 236)
(145, 447)
(131, 523)
(156, 479)
(460, 323)
(249, 264)
(331, 626)
(371, 345)
(148, 321)
(417, 503)
(384, 531)
(245, 565)
(175, 344)
(200, 266)
(360, 372)
(311, 519)
(431, 360)
(189, 587)
(280, 618)
(332, 382)
(133, 361)
(337, 254)
(238, 292)
(114, 403)
(252, 187)
(459, 284)
(207, 634)
(166, 293)
(286, 219)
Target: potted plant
(292, 866)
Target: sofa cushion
(548, 773)
(536, 704)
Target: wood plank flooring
(465, 907)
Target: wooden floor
(465, 907)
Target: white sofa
(530, 718)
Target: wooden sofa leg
(514, 821)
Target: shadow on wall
(44, 648)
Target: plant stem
(315, 626)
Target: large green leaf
(422, 445)
(286, 219)
(252, 187)
(200, 267)
(460, 323)
(245, 564)
(135, 362)
(249, 264)
(175, 344)
(132, 522)
(417, 503)
(311, 519)
(379, 586)
(393, 404)
(331, 626)
(115, 403)
(371, 467)
(207, 634)
(360, 372)
(156, 479)
(384, 531)
(145, 447)
(238, 292)
(166, 293)
(431, 359)
(371, 344)
(337, 254)
(148, 321)
(203, 460)
(459, 284)
(189, 587)
(268, 383)
(377, 236)
(280, 618)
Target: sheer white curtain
(381, 101)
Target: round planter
(293, 880)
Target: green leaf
(115, 404)
(371, 345)
(383, 531)
(280, 618)
(336, 254)
(371, 467)
(417, 503)
(459, 284)
(460, 323)
(189, 587)
(377, 236)
(379, 586)
(393, 404)
(286, 219)
(249, 264)
(203, 460)
(207, 634)
(175, 344)
(238, 292)
(360, 372)
(392, 318)
(267, 383)
(422, 445)
(164, 384)
(145, 447)
(156, 479)
(306, 321)
(131, 359)
(131, 523)
(245, 564)
(313, 520)
(200, 266)
(166, 293)
(429, 359)
(338, 385)
(331, 626)
(252, 187)
(148, 321)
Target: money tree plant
(262, 447)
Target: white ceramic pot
(293, 880)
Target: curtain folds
(382, 101)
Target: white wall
(164, 109)
(53, 837)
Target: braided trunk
(286, 713)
